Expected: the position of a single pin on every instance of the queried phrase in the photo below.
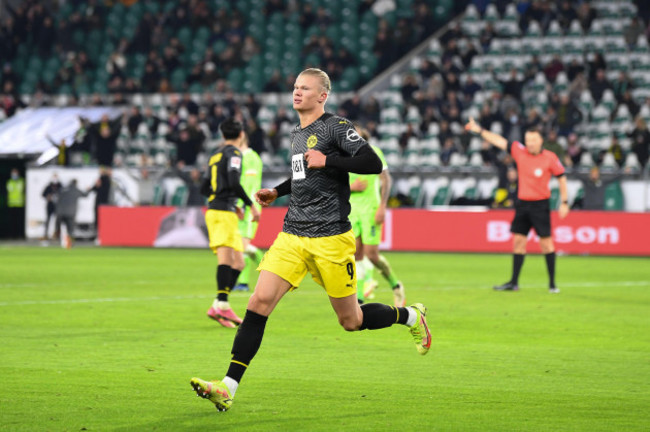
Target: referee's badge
(537, 172)
(312, 141)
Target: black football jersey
(225, 160)
(319, 204)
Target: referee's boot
(508, 286)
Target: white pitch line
(444, 286)
(99, 300)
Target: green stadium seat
(179, 198)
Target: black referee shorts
(535, 214)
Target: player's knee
(350, 323)
(373, 256)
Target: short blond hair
(326, 84)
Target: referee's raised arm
(491, 137)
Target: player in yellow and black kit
(316, 237)
(223, 188)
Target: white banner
(27, 131)
(124, 192)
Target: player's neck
(308, 117)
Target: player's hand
(265, 197)
(256, 213)
(358, 185)
(315, 159)
(380, 216)
(473, 127)
(240, 213)
(563, 210)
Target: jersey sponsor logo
(298, 166)
(343, 122)
(312, 141)
(352, 135)
(235, 162)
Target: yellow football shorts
(330, 260)
(223, 230)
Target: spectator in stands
(533, 119)
(274, 83)
(594, 190)
(640, 140)
(448, 148)
(596, 64)
(551, 143)
(470, 88)
(486, 36)
(63, 158)
(632, 31)
(575, 67)
(423, 21)
(621, 84)
(384, 49)
(256, 136)
(513, 86)
(134, 120)
(506, 193)
(103, 137)
(193, 183)
(151, 120)
(252, 105)
(409, 86)
(487, 117)
(553, 68)
(568, 116)
(188, 104)
(628, 100)
(427, 69)
(216, 117)
(586, 15)
(566, 14)
(574, 150)
(351, 108)
(407, 135)
(617, 151)
(370, 110)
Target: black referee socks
(550, 265)
(517, 262)
(247, 341)
(377, 316)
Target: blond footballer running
(316, 237)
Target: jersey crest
(312, 141)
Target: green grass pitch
(104, 339)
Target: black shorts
(535, 214)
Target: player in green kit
(368, 198)
(251, 181)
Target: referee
(535, 166)
(316, 237)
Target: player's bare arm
(563, 211)
(386, 183)
(358, 185)
(491, 137)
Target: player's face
(534, 142)
(308, 93)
